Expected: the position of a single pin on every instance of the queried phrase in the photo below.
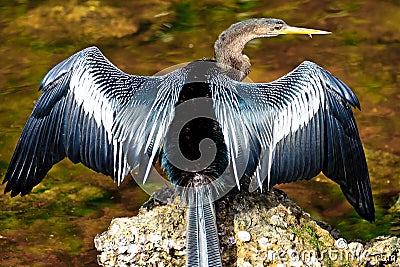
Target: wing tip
(367, 213)
(12, 186)
(347, 93)
(361, 200)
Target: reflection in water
(57, 222)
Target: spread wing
(75, 117)
(294, 128)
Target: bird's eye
(278, 26)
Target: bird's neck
(229, 47)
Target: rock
(244, 236)
(341, 243)
(264, 243)
(153, 236)
(271, 229)
(383, 250)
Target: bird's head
(230, 44)
(267, 27)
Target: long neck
(230, 44)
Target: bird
(208, 129)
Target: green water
(56, 223)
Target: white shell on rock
(133, 249)
(122, 249)
(264, 243)
(154, 238)
(244, 236)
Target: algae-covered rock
(255, 229)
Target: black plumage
(278, 132)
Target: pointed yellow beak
(296, 30)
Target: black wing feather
(85, 105)
(345, 162)
(305, 125)
(59, 125)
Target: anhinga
(278, 132)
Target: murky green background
(56, 223)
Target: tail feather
(202, 235)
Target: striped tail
(202, 236)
